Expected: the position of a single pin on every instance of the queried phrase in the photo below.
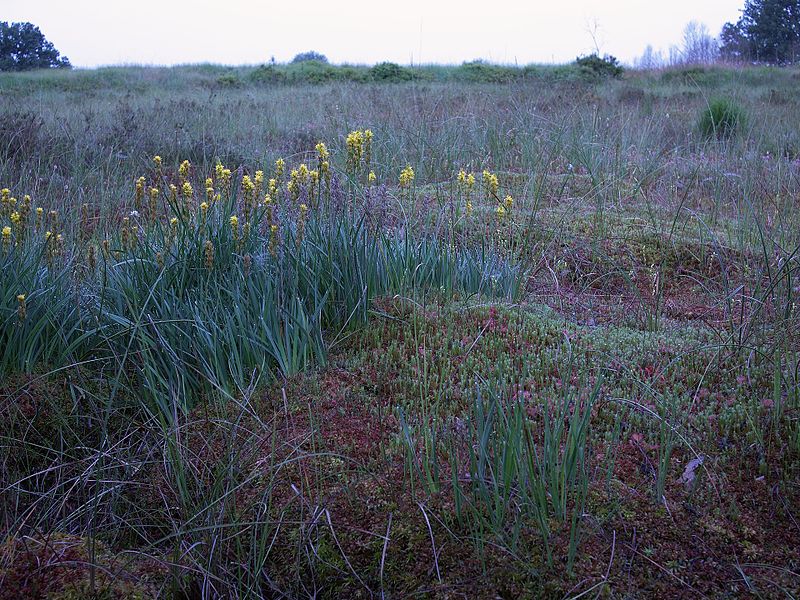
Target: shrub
(267, 74)
(599, 68)
(390, 72)
(721, 119)
(479, 71)
(310, 56)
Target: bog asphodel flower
(508, 202)
(157, 162)
(22, 309)
(39, 217)
(301, 223)
(490, 183)
(501, 212)
(406, 177)
(372, 178)
(322, 152)
(280, 168)
(248, 196)
(367, 147)
(6, 238)
(186, 190)
(209, 254)
(234, 221)
(273, 240)
(258, 179)
(139, 193)
(183, 170)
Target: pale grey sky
(165, 32)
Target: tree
(24, 47)
(310, 55)
(771, 29)
(734, 44)
(699, 47)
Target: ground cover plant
(469, 331)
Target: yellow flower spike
(209, 254)
(273, 188)
(91, 257)
(173, 193)
(15, 218)
(234, 220)
(280, 167)
(153, 204)
(469, 208)
(462, 177)
(322, 152)
(183, 170)
(501, 212)
(203, 212)
(210, 182)
(247, 263)
(406, 177)
(186, 190)
(258, 180)
(273, 240)
(470, 181)
(22, 310)
(508, 202)
(139, 193)
(6, 238)
(372, 178)
(367, 145)
(157, 162)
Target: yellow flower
(157, 162)
(280, 166)
(508, 202)
(372, 178)
(15, 218)
(209, 254)
(22, 310)
(187, 190)
(183, 170)
(6, 237)
(470, 181)
(490, 183)
(322, 152)
(234, 220)
(204, 209)
(406, 177)
(501, 212)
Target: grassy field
(475, 331)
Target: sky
(235, 32)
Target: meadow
(482, 332)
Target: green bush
(389, 72)
(722, 119)
(595, 67)
(267, 74)
(479, 71)
(310, 56)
